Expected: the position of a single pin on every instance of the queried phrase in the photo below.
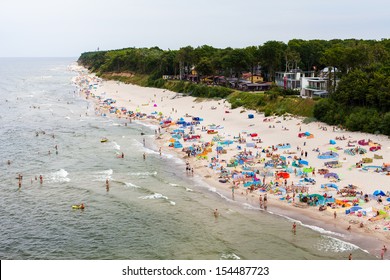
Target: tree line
(361, 100)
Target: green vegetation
(360, 102)
(272, 103)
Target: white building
(292, 79)
(318, 86)
(314, 87)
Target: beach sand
(230, 124)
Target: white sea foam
(59, 176)
(173, 185)
(101, 176)
(249, 206)
(172, 202)
(189, 190)
(150, 151)
(149, 125)
(329, 241)
(143, 173)
(116, 146)
(131, 185)
(229, 256)
(323, 231)
(331, 244)
(154, 196)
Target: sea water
(153, 210)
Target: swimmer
(294, 228)
(216, 213)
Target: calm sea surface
(152, 210)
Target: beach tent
(328, 155)
(332, 142)
(219, 148)
(355, 208)
(329, 175)
(307, 170)
(379, 192)
(251, 116)
(283, 175)
(303, 162)
(330, 185)
(177, 144)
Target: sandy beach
(298, 166)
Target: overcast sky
(70, 27)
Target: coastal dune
(251, 133)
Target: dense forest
(360, 102)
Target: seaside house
(314, 87)
(292, 79)
(256, 78)
(319, 86)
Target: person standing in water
(107, 185)
(216, 213)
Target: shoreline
(276, 130)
